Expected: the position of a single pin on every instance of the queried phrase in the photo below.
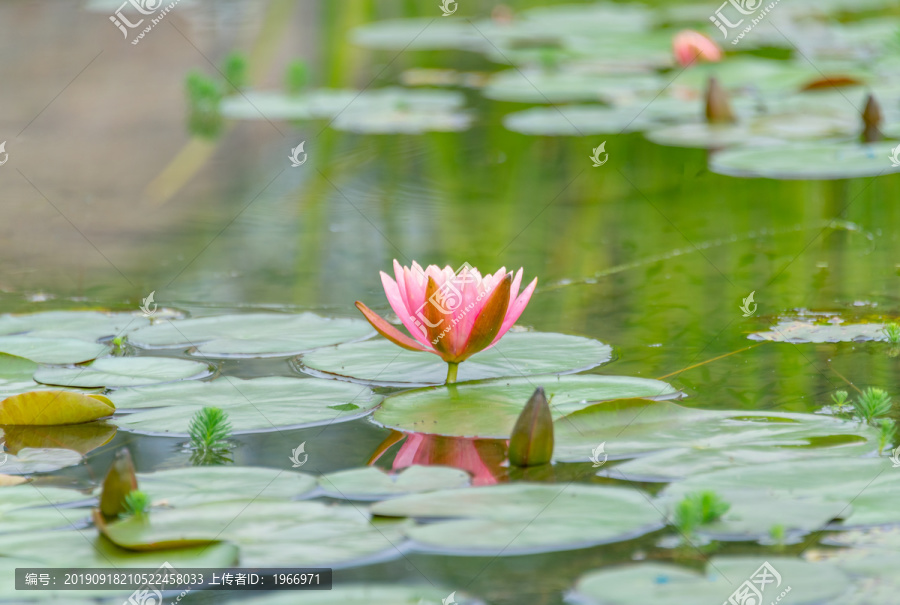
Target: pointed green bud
(120, 481)
(872, 119)
(718, 107)
(531, 443)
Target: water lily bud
(718, 108)
(120, 481)
(872, 118)
(531, 443)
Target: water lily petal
(514, 311)
(382, 326)
(404, 313)
(489, 322)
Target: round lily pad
(402, 121)
(52, 350)
(268, 533)
(123, 372)
(577, 120)
(810, 583)
(252, 334)
(813, 161)
(29, 495)
(207, 484)
(368, 594)
(38, 460)
(252, 405)
(798, 332)
(534, 86)
(44, 518)
(85, 325)
(490, 408)
(15, 375)
(381, 362)
(523, 517)
(372, 483)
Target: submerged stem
(452, 367)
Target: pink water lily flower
(451, 314)
(690, 46)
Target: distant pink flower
(453, 315)
(690, 46)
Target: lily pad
(123, 372)
(536, 86)
(42, 408)
(381, 362)
(419, 34)
(799, 332)
(52, 350)
(38, 460)
(268, 533)
(670, 585)
(524, 517)
(252, 334)
(252, 405)
(15, 375)
(372, 483)
(490, 408)
(44, 518)
(812, 161)
(29, 495)
(577, 120)
(368, 594)
(402, 121)
(674, 441)
(85, 325)
(184, 487)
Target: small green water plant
(204, 105)
(118, 345)
(296, 77)
(137, 504)
(777, 534)
(887, 430)
(234, 69)
(871, 404)
(892, 332)
(210, 432)
(699, 508)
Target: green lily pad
(381, 362)
(44, 518)
(535, 86)
(490, 408)
(326, 103)
(368, 594)
(813, 161)
(184, 487)
(268, 533)
(38, 460)
(30, 495)
(372, 483)
(681, 440)
(15, 375)
(123, 372)
(523, 517)
(799, 332)
(577, 120)
(52, 350)
(402, 121)
(864, 488)
(84, 325)
(252, 405)
(810, 583)
(419, 34)
(252, 334)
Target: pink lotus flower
(453, 315)
(690, 46)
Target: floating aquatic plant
(296, 77)
(137, 504)
(119, 344)
(453, 315)
(699, 508)
(871, 404)
(234, 70)
(892, 333)
(204, 105)
(887, 430)
(210, 431)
